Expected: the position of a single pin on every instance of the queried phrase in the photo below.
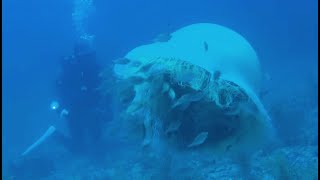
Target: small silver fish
(186, 77)
(205, 45)
(199, 139)
(186, 99)
(184, 106)
(165, 88)
(135, 63)
(121, 61)
(172, 94)
(173, 126)
(146, 67)
(157, 69)
(147, 129)
(136, 79)
(164, 37)
(216, 75)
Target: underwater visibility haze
(140, 89)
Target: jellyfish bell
(219, 63)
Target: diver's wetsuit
(77, 91)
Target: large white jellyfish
(198, 90)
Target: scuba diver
(81, 113)
(78, 94)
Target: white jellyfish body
(192, 59)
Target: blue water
(38, 34)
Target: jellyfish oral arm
(47, 134)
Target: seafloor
(291, 162)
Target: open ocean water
(77, 105)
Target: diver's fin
(48, 133)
